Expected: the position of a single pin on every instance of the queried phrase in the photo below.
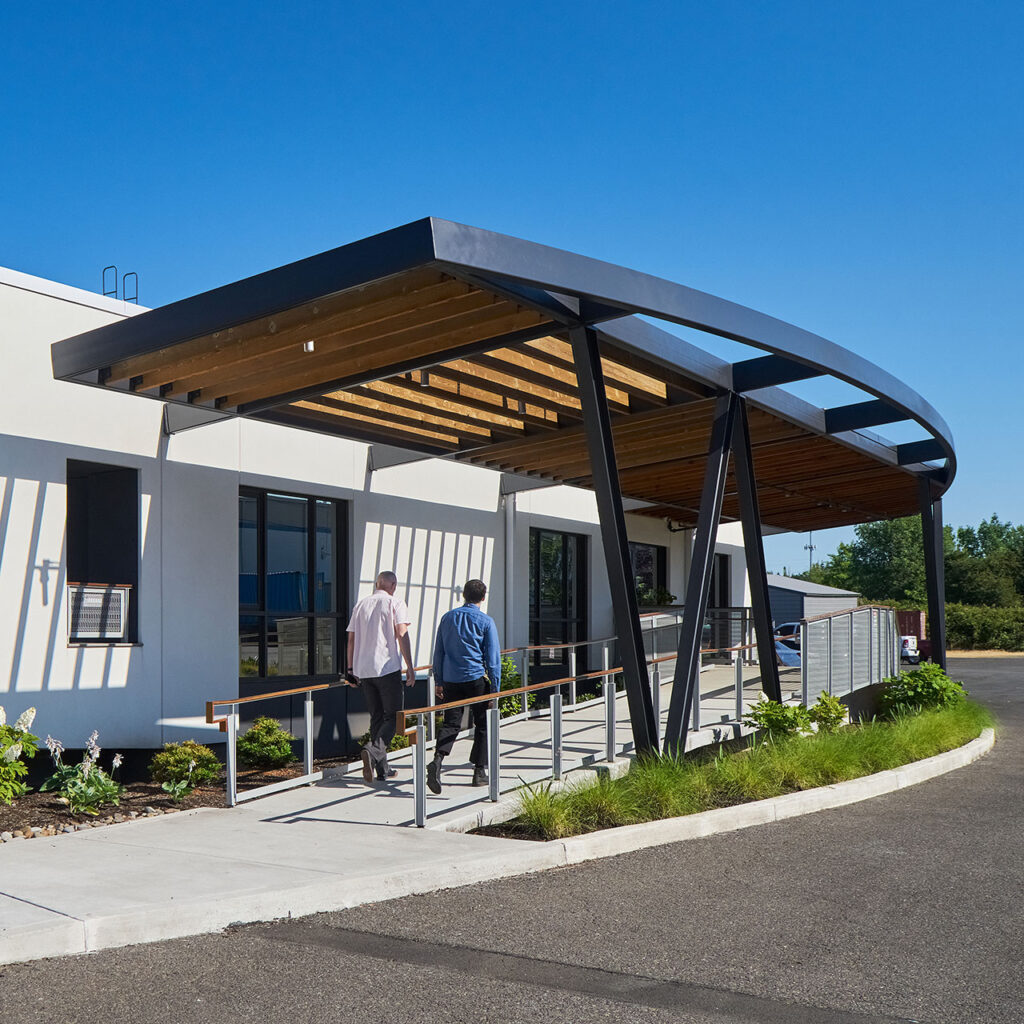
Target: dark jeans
(453, 720)
(384, 699)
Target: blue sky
(854, 168)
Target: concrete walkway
(324, 847)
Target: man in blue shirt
(467, 663)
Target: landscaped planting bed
(923, 713)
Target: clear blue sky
(854, 168)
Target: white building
(181, 523)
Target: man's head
(386, 581)
(474, 591)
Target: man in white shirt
(378, 640)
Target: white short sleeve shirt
(373, 623)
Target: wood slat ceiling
(510, 406)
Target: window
(650, 574)
(288, 594)
(102, 552)
(558, 612)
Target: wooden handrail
(847, 611)
(211, 704)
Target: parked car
(791, 631)
(908, 650)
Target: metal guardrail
(843, 651)
(229, 724)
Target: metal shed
(791, 599)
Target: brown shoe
(367, 766)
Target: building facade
(242, 545)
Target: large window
(558, 607)
(103, 540)
(289, 598)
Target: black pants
(384, 699)
(453, 720)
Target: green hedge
(981, 628)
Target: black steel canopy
(455, 342)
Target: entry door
(558, 613)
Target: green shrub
(778, 719)
(829, 713)
(925, 687)
(981, 628)
(187, 761)
(17, 745)
(512, 680)
(265, 744)
(398, 742)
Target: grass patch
(656, 788)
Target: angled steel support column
(597, 424)
(698, 583)
(753, 546)
(934, 568)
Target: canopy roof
(450, 341)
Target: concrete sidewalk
(316, 848)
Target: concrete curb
(628, 838)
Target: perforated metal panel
(97, 613)
(817, 659)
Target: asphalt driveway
(905, 907)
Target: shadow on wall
(432, 563)
(33, 576)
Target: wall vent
(97, 612)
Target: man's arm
(439, 661)
(404, 645)
(351, 652)
(492, 656)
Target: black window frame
(261, 612)
(582, 619)
(660, 563)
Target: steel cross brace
(699, 582)
(753, 545)
(601, 448)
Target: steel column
(934, 569)
(698, 582)
(600, 446)
(753, 545)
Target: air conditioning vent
(97, 612)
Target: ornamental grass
(664, 787)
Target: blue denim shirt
(467, 647)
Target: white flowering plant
(84, 787)
(17, 745)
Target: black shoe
(480, 777)
(367, 766)
(389, 774)
(434, 776)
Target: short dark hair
(474, 591)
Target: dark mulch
(44, 810)
(508, 830)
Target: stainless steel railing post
(419, 772)
(608, 691)
(431, 701)
(828, 661)
(556, 734)
(738, 671)
(308, 747)
(232, 754)
(493, 748)
(572, 681)
(656, 701)
(804, 665)
(695, 714)
(851, 653)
